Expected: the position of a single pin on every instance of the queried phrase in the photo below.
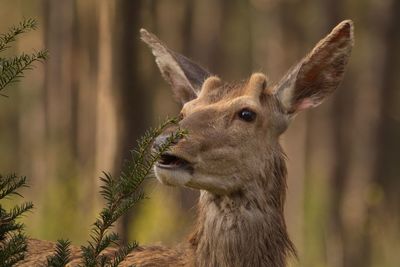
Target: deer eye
(247, 115)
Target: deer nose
(163, 140)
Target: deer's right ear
(184, 76)
(317, 75)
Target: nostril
(157, 144)
(161, 141)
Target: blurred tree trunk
(107, 119)
(134, 105)
(60, 107)
(207, 45)
(71, 115)
(31, 146)
(388, 132)
(84, 70)
(384, 198)
(58, 93)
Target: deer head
(234, 129)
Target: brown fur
(238, 165)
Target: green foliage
(121, 194)
(12, 69)
(14, 31)
(62, 255)
(12, 240)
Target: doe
(233, 156)
(232, 153)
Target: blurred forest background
(80, 113)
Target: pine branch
(121, 194)
(13, 250)
(12, 69)
(10, 183)
(7, 228)
(62, 255)
(12, 241)
(9, 37)
(18, 211)
(121, 254)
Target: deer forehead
(217, 96)
(225, 105)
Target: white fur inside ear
(305, 104)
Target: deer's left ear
(319, 73)
(184, 76)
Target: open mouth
(170, 161)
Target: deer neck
(246, 228)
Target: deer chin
(173, 170)
(215, 184)
(172, 177)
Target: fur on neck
(246, 228)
